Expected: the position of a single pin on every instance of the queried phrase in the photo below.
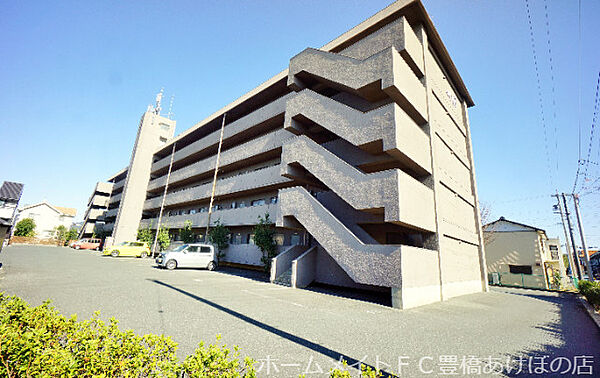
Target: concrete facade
(154, 131)
(523, 255)
(93, 220)
(360, 152)
(10, 195)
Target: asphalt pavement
(288, 331)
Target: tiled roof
(66, 210)
(11, 191)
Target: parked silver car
(189, 256)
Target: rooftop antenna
(157, 107)
(170, 113)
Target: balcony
(239, 155)
(246, 216)
(263, 178)
(234, 129)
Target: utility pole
(562, 219)
(575, 256)
(214, 185)
(582, 235)
(162, 204)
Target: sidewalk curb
(590, 310)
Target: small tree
(163, 238)
(25, 227)
(218, 236)
(186, 233)
(72, 234)
(146, 235)
(60, 234)
(263, 238)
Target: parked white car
(189, 256)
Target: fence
(530, 281)
(33, 240)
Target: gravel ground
(290, 331)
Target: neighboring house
(47, 218)
(359, 151)
(10, 194)
(522, 255)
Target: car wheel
(114, 253)
(77, 247)
(212, 266)
(171, 264)
(144, 255)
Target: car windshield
(179, 248)
(122, 243)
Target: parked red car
(87, 244)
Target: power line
(539, 89)
(589, 153)
(551, 80)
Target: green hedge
(40, 342)
(591, 291)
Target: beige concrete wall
(150, 131)
(461, 256)
(516, 248)
(304, 268)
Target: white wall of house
(46, 218)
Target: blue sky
(77, 75)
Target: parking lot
(290, 331)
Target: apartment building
(93, 220)
(10, 195)
(522, 255)
(359, 151)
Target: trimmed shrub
(38, 341)
(591, 291)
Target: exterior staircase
(284, 279)
(380, 190)
(374, 78)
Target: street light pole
(575, 256)
(586, 256)
(569, 252)
(162, 204)
(214, 184)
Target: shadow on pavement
(579, 349)
(293, 338)
(382, 298)
(254, 275)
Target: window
(242, 204)
(192, 211)
(204, 249)
(295, 239)
(279, 238)
(164, 126)
(233, 205)
(193, 249)
(237, 239)
(520, 269)
(257, 202)
(274, 199)
(163, 141)
(203, 209)
(250, 239)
